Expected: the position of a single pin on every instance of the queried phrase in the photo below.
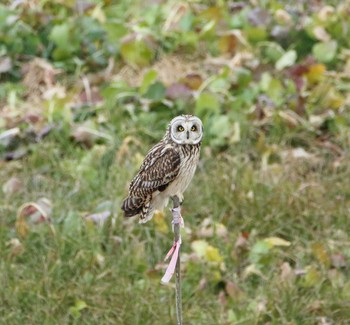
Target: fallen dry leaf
(338, 260)
(99, 218)
(16, 247)
(287, 274)
(33, 213)
(5, 64)
(12, 186)
(235, 292)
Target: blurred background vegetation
(88, 86)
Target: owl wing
(160, 166)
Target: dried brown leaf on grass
(38, 77)
(33, 213)
(170, 69)
(12, 186)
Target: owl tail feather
(132, 206)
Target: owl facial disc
(186, 129)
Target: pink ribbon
(174, 250)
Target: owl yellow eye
(193, 128)
(180, 128)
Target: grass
(81, 275)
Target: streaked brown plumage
(166, 170)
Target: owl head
(186, 129)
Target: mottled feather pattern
(166, 171)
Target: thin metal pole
(177, 237)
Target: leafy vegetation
(88, 86)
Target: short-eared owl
(167, 169)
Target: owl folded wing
(160, 167)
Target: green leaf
(115, 31)
(325, 52)
(243, 76)
(276, 241)
(256, 34)
(265, 81)
(186, 22)
(80, 305)
(148, 79)
(212, 254)
(60, 35)
(272, 51)
(219, 85)
(219, 130)
(156, 91)
(136, 52)
(220, 126)
(260, 249)
(207, 102)
(286, 60)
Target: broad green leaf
(156, 91)
(115, 31)
(61, 54)
(149, 78)
(325, 51)
(286, 60)
(80, 304)
(136, 52)
(212, 254)
(207, 102)
(272, 87)
(272, 51)
(220, 129)
(243, 77)
(256, 34)
(276, 241)
(60, 35)
(260, 249)
(186, 22)
(219, 85)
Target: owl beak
(188, 135)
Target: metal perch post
(174, 265)
(177, 237)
